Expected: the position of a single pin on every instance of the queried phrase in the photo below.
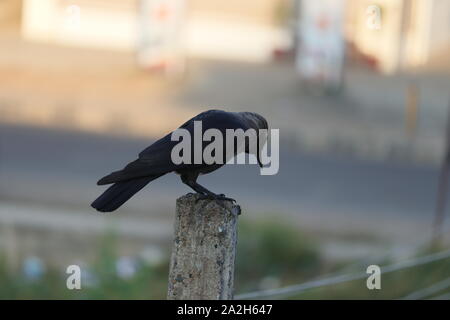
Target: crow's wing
(156, 159)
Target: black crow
(155, 161)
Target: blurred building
(232, 29)
(244, 30)
(411, 33)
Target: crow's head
(254, 120)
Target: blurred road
(58, 169)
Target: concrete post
(204, 249)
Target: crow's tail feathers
(119, 193)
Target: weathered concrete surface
(204, 249)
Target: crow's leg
(204, 193)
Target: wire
(426, 292)
(298, 288)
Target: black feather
(119, 193)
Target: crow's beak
(260, 163)
(258, 154)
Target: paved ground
(103, 91)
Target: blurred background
(359, 90)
